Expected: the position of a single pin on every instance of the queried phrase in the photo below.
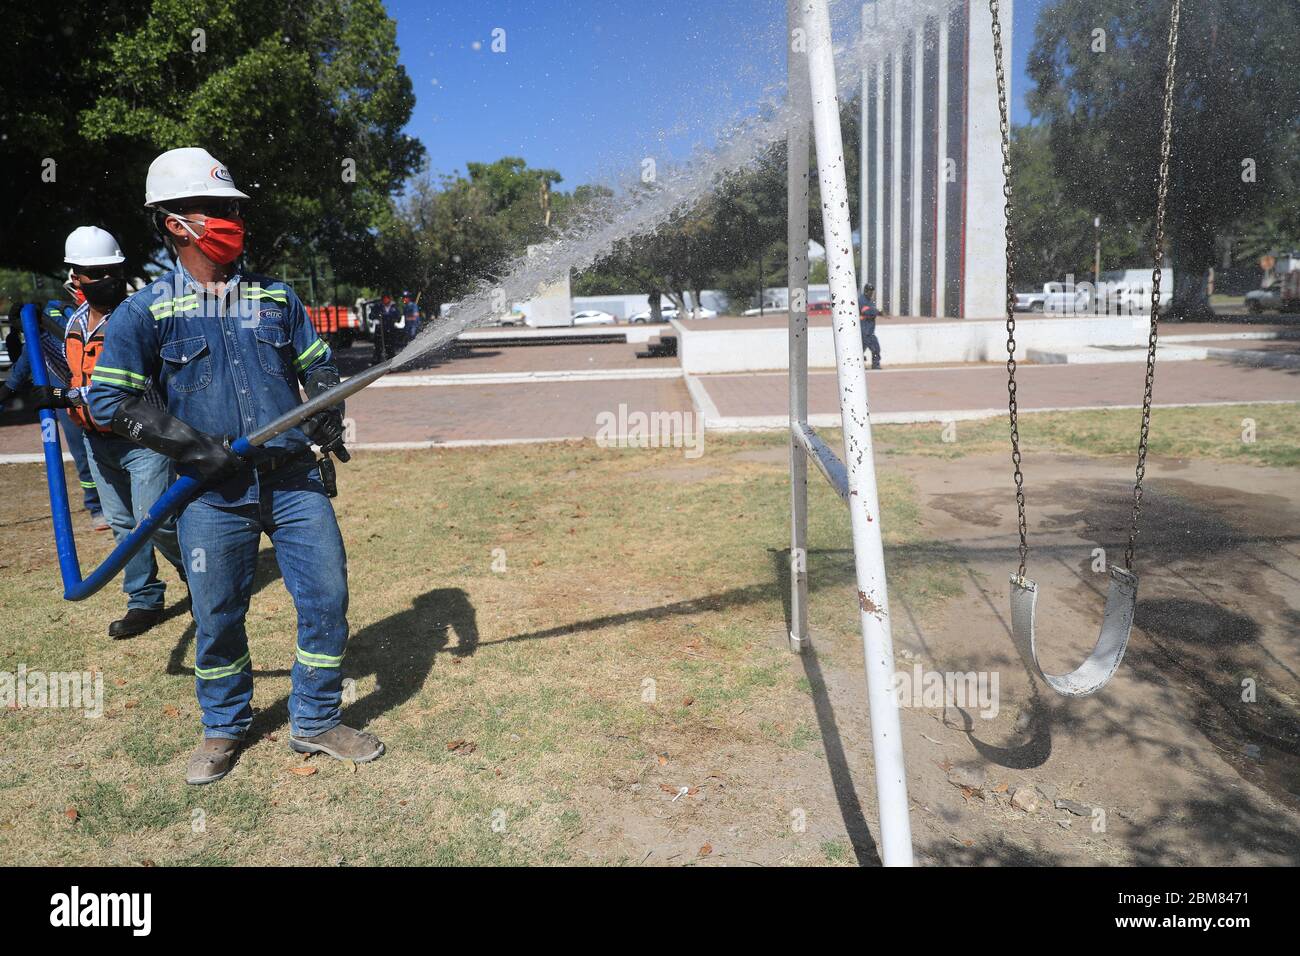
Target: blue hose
(75, 587)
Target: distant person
(411, 313)
(868, 313)
(375, 314)
(394, 324)
(53, 324)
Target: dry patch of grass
(1255, 434)
(530, 626)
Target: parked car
(1260, 300)
(769, 306)
(1031, 301)
(666, 312)
(1057, 298)
(594, 317)
(819, 308)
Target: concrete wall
(626, 305)
(927, 343)
(550, 307)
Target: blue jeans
(130, 479)
(77, 442)
(221, 544)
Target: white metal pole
(864, 507)
(799, 99)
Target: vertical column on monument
(928, 183)
(953, 194)
(868, 228)
(984, 292)
(932, 226)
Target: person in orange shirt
(129, 477)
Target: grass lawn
(534, 628)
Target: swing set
(854, 478)
(1121, 600)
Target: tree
(1099, 67)
(1054, 234)
(448, 231)
(304, 101)
(733, 239)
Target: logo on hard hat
(220, 172)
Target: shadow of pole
(855, 821)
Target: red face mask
(222, 240)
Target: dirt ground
(1166, 766)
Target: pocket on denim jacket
(275, 349)
(188, 363)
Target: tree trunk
(1193, 257)
(656, 314)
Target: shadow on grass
(399, 651)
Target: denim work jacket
(226, 365)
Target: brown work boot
(211, 761)
(341, 743)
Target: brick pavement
(544, 410)
(982, 387)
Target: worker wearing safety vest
(54, 320)
(229, 352)
(129, 478)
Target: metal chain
(1158, 255)
(1004, 127)
(1013, 411)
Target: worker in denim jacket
(228, 352)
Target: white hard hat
(189, 171)
(91, 246)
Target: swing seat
(1095, 672)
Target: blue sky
(588, 87)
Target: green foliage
(1237, 100)
(283, 92)
(449, 231)
(733, 239)
(1054, 233)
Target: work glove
(212, 459)
(54, 396)
(325, 429)
(207, 457)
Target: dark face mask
(105, 293)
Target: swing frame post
(854, 478)
(797, 153)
